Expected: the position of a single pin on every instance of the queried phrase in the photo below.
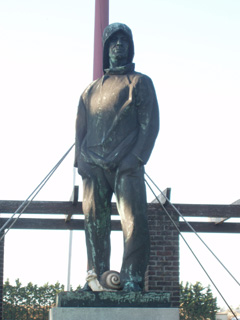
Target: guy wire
(27, 202)
(165, 210)
(189, 225)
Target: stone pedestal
(114, 313)
(89, 305)
(110, 299)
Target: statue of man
(116, 127)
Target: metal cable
(35, 192)
(165, 210)
(189, 225)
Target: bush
(29, 302)
(197, 302)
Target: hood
(107, 33)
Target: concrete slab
(114, 313)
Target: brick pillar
(1, 275)
(163, 270)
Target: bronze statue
(116, 127)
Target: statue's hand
(129, 163)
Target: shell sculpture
(109, 281)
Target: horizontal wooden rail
(210, 227)
(78, 224)
(66, 207)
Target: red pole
(101, 21)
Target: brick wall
(163, 270)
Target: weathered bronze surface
(116, 127)
(114, 299)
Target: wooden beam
(162, 197)
(53, 224)
(221, 220)
(211, 227)
(66, 207)
(236, 202)
(46, 224)
(78, 224)
(42, 207)
(206, 210)
(74, 196)
(74, 200)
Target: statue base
(113, 299)
(118, 305)
(114, 313)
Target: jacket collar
(120, 70)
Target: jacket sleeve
(81, 129)
(148, 118)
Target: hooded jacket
(117, 114)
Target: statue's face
(118, 49)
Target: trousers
(130, 193)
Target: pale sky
(190, 49)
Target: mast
(101, 21)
